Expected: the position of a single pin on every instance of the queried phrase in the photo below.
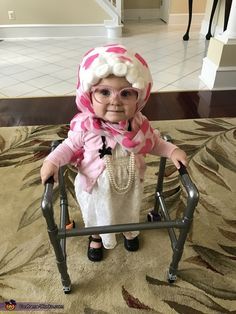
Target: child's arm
(59, 157)
(178, 155)
(169, 150)
(48, 170)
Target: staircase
(114, 9)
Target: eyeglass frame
(115, 92)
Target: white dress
(104, 206)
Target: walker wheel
(67, 290)
(153, 216)
(171, 278)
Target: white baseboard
(182, 19)
(218, 77)
(52, 30)
(141, 14)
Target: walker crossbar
(58, 236)
(120, 228)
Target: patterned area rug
(124, 282)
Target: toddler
(107, 142)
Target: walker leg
(60, 260)
(179, 246)
(155, 214)
(172, 273)
(47, 209)
(171, 278)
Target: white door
(164, 10)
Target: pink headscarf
(99, 63)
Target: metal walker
(158, 218)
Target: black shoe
(131, 245)
(95, 255)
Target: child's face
(112, 105)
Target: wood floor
(161, 106)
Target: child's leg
(86, 202)
(95, 249)
(95, 245)
(130, 234)
(131, 241)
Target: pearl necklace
(131, 169)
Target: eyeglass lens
(105, 94)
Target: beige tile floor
(48, 67)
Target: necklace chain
(131, 169)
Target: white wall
(52, 12)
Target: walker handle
(182, 170)
(54, 144)
(191, 189)
(50, 180)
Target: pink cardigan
(91, 166)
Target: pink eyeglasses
(105, 94)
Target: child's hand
(178, 155)
(48, 170)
